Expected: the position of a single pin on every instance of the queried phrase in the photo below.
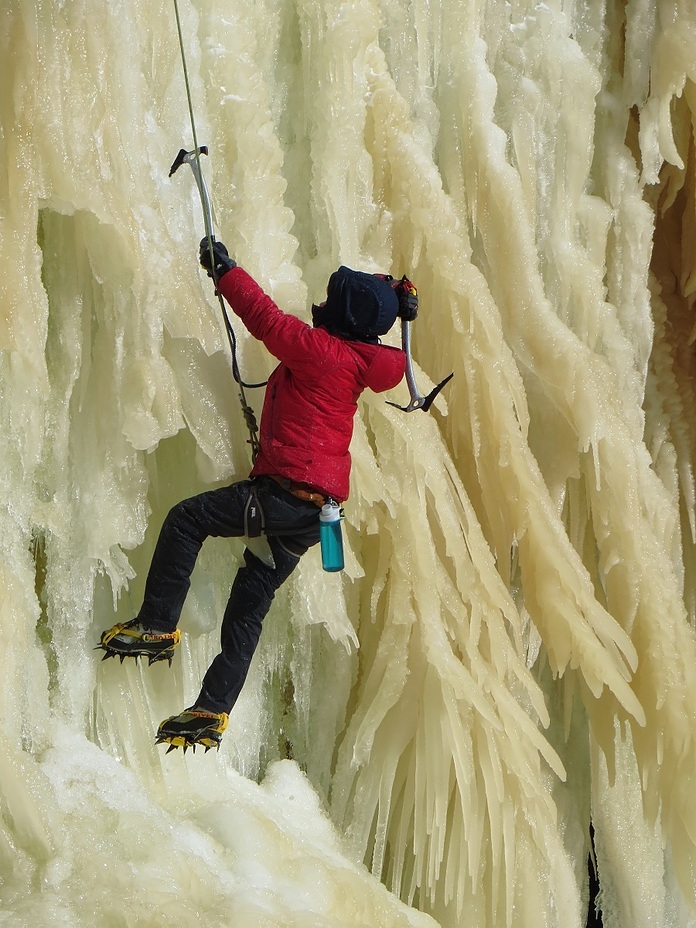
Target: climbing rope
(247, 410)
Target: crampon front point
(191, 728)
(132, 639)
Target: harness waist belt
(301, 490)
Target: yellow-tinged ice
(510, 652)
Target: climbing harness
(417, 401)
(193, 159)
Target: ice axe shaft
(417, 401)
(192, 158)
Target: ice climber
(303, 459)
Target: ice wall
(510, 653)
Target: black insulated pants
(291, 525)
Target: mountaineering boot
(132, 639)
(191, 727)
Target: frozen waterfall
(509, 655)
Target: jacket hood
(358, 306)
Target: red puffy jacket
(312, 396)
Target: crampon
(135, 640)
(191, 728)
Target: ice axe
(192, 158)
(417, 401)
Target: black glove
(222, 263)
(408, 300)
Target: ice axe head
(423, 402)
(186, 157)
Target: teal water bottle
(330, 536)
